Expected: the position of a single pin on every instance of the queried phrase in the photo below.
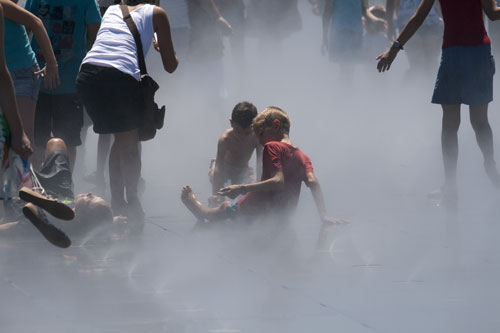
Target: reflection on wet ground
(403, 274)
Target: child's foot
(54, 207)
(51, 233)
(492, 172)
(190, 201)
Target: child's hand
(21, 145)
(224, 25)
(334, 220)
(232, 191)
(50, 73)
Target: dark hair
(243, 114)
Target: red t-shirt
(295, 166)
(463, 23)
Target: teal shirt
(18, 52)
(66, 23)
(346, 15)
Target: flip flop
(51, 233)
(53, 207)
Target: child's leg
(199, 210)
(484, 137)
(449, 143)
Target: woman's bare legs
(484, 137)
(124, 171)
(449, 144)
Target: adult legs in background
(124, 173)
(449, 145)
(484, 137)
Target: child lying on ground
(234, 149)
(285, 167)
(88, 212)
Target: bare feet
(191, 202)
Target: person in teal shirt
(71, 25)
(22, 63)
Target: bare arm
(386, 59)
(275, 183)
(165, 45)
(491, 9)
(218, 179)
(8, 105)
(319, 200)
(92, 30)
(32, 23)
(211, 7)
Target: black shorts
(112, 99)
(55, 176)
(59, 116)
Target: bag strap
(135, 32)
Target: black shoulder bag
(153, 116)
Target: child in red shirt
(284, 169)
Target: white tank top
(115, 46)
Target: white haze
(402, 265)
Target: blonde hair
(268, 116)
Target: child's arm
(378, 22)
(275, 183)
(258, 157)
(386, 58)
(313, 184)
(32, 23)
(491, 9)
(218, 175)
(327, 16)
(211, 7)
(20, 142)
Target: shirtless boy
(234, 149)
(285, 167)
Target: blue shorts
(345, 46)
(26, 83)
(465, 76)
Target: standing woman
(465, 76)
(22, 62)
(108, 83)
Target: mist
(403, 264)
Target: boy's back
(295, 165)
(238, 147)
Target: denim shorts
(26, 83)
(465, 76)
